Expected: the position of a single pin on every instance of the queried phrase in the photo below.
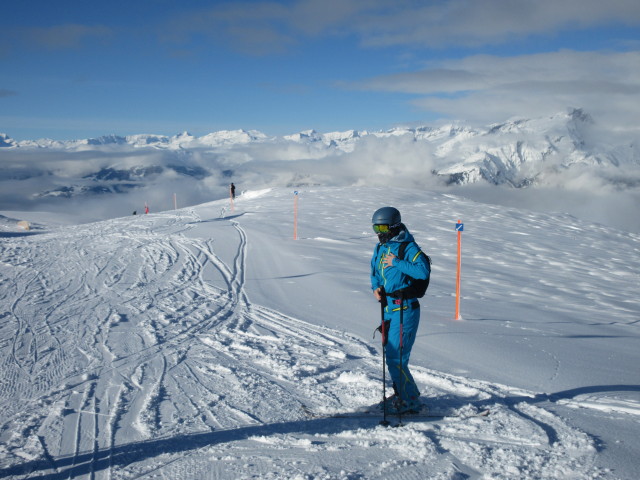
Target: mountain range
(518, 152)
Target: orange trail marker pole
(459, 229)
(295, 215)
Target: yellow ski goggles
(381, 228)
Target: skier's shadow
(219, 219)
(90, 462)
(572, 393)
(451, 401)
(18, 234)
(86, 463)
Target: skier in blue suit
(390, 275)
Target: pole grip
(383, 297)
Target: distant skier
(232, 188)
(390, 275)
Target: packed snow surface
(206, 342)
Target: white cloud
(474, 23)
(413, 23)
(486, 88)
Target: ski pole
(383, 305)
(403, 380)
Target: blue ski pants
(402, 335)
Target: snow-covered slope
(207, 343)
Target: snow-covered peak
(572, 119)
(6, 141)
(521, 152)
(231, 137)
(146, 140)
(304, 136)
(341, 136)
(182, 139)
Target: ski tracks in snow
(126, 339)
(139, 354)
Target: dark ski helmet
(386, 223)
(386, 216)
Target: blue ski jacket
(414, 264)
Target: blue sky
(77, 69)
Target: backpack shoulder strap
(401, 250)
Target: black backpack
(418, 286)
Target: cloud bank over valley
(555, 163)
